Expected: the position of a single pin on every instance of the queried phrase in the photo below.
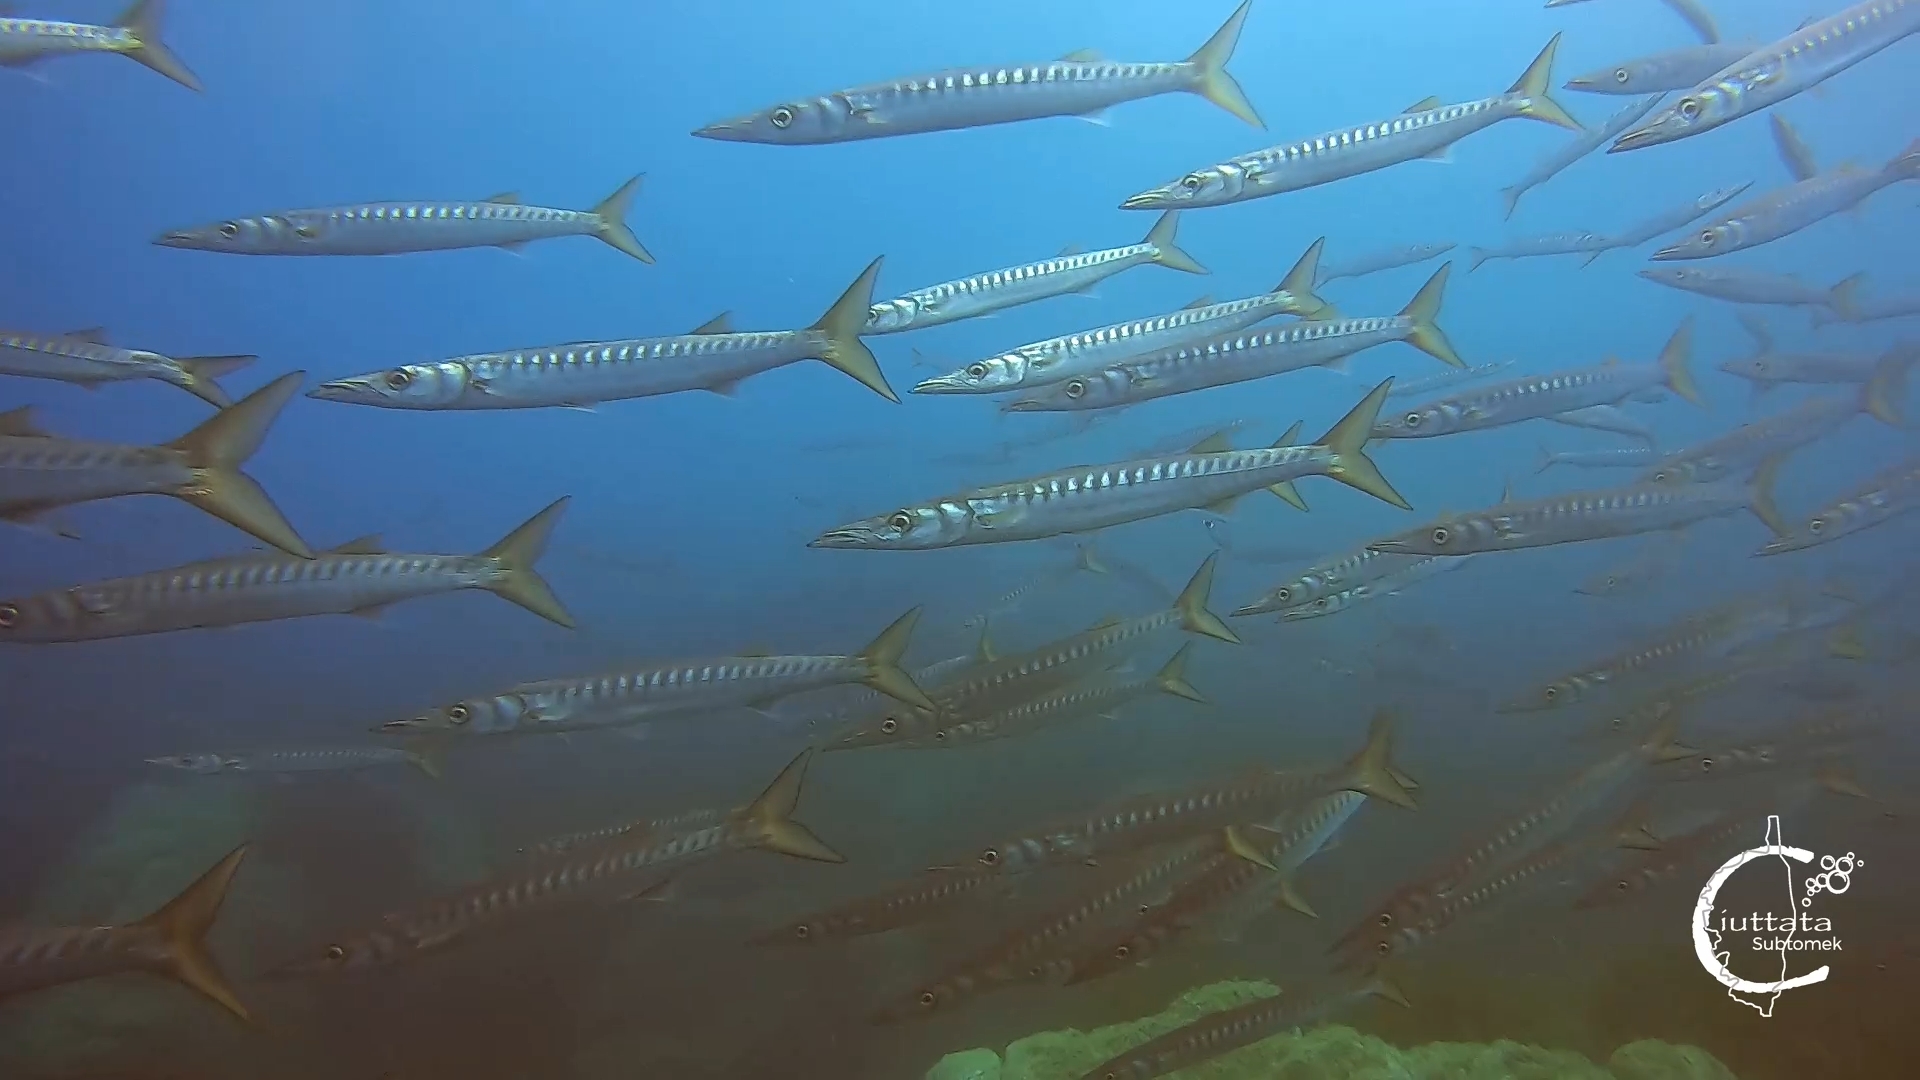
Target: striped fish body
(1788, 210)
(1711, 636)
(328, 759)
(23, 41)
(1535, 247)
(1575, 517)
(1530, 398)
(920, 899)
(1889, 494)
(1484, 895)
(1219, 361)
(998, 290)
(628, 831)
(1674, 69)
(389, 228)
(1039, 714)
(1328, 579)
(34, 958)
(1373, 262)
(38, 473)
(1776, 72)
(1452, 377)
(1029, 675)
(1668, 220)
(1741, 286)
(79, 360)
(1778, 369)
(1619, 457)
(1223, 1032)
(229, 592)
(1746, 446)
(1420, 569)
(1605, 418)
(581, 374)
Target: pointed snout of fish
(341, 390)
(1146, 200)
(943, 384)
(179, 239)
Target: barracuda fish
(328, 759)
(1021, 955)
(1870, 309)
(1590, 515)
(931, 895)
(134, 35)
(713, 357)
(1250, 354)
(1888, 494)
(39, 472)
(1653, 564)
(1768, 367)
(356, 578)
(633, 695)
(1425, 130)
(1746, 446)
(1754, 287)
(1536, 397)
(1230, 1029)
(1082, 84)
(1142, 821)
(1270, 555)
(1372, 262)
(1788, 210)
(630, 830)
(170, 942)
(1086, 498)
(1393, 584)
(1103, 700)
(1576, 148)
(1427, 384)
(1693, 11)
(1535, 247)
(400, 228)
(84, 358)
(1772, 74)
(1654, 868)
(1013, 679)
(1061, 358)
(1604, 418)
(998, 290)
(1650, 711)
(624, 870)
(1668, 220)
(1623, 457)
(1672, 69)
(1327, 579)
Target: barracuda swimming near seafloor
(998, 290)
(1086, 498)
(1061, 358)
(84, 358)
(628, 868)
(1671, 69)
(400, 228)
(1100, 699)
(134, 35)
(1536, 397)
(1425, 130)
(1773, 73)
(1422, 568)
(1576, 148)
(1326, 579)
(923, 898)
(1082, 83)
(671, 689)
(170, 943)
(357, 578)
(1372, 262)
(1887, 494)
(283, 761)
(40, 473)
(713, 357)
(1249, 354)
(1785, 211)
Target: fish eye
(1441, 535)
(1076, 388)
(802, 930)
(1413, 419)
(901, 521)
(1622, 76)
(1283, 593)
(230, 230)
(1192, 182)
(335, 952)
(990, 857)
(1122, 952)
(1690, 108)
(1385, 919)
(9, 614)
(1612, 581)
(1707, 237)
(889, 725)
(1622, 885)
(976, 371)
(459, 714)
(1812, 526)
(939, 735)
(1706, 764)
(928, 999)
(1321, 603)
(1552, 692)
(782, 117)
(399, 379)
(1383, 948)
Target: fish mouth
(726, 130)
(1025, 405)
(402, 726)
(180, 239)
(945, 384)
(1634, 140)
(1395, 547)
(1146, 200)
(848, 536)
(1671, 253)
(1580, 83)
(342, 390)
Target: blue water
(690, 513)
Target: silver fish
(1392, 584)
(1248, 355)
(1755, 287)
(998, 290)
(1746, 446)
(1427, 384)
(1534, 397)
(1086, 498)
(1773, 73)
(84, 358)
(1768, 367)
(1788, 210)
(1534, 247)
(39, 473)
(359, 577)
(1325, 579)
(399, 228)
(1604, 418)
(1061, 358)
(1671, 69)
(1102, 699)
(1668, 220)
(1622, 457)
(1886, 495)
(713, 357)
(1078, 84)
(321, 759)
(1425, 130)
(1649, 567)
(1372, 262)
(134, 35)
(1576, 148)
(1870, 309)
(1693, 11)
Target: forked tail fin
(180, 929)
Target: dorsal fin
(1506, 490)
(1069, 250)
(1199, 302)
(1083, 56)
(1793, 150)
(755, 651)
(93, 335)
(1431, 101)
(1292, 437)
(19, 423)
(983, 651)
(719, 324)
(510, 198)
(360, 545)
(1611, 361)
(1217, 443)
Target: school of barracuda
(1157, 868)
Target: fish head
(1449, 536)
(1202, 187)
(1700, 109)
(268, 234)
(1817, 530)
(892, 725)
(480, 715)
(1757, 369)
(1625, 78)
(1331, 604)
(1617, 888)
(1554, 695)
(804, 932)
(1103, 390)
(1434, 418)
(797, 123)
(414, 386)
(910, 528)
(995, 373)
(1679, 277)
(372, 950)
(1708, 241)
(205, 764)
